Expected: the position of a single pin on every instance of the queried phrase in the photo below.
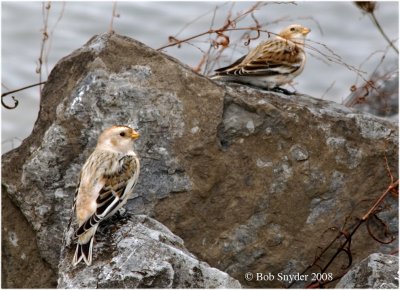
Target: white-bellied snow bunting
(106, 182)
(272, 63)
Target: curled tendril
(386, 231)
(349, 256)
(249, 39)
(14, 99)
(16, 102)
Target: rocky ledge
(250, 180)
(141, 253)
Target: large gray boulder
(377, 271)
(250, 180)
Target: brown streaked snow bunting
(272, 63)
(106, 183)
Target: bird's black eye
(122, 134)
(292, 29)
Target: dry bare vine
(45, 48)
(380, 91)
(45, 36)
(114, 15)
(369, 8)
(219, 40)
(52, 30)
(13, 97)
(347, 231)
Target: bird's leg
(282, 90)
(121, 213)
(102, 228)
(105, 225)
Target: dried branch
(327, 90)
(369, 8)
(384, 226)
(214, 11)
(114, 15)
(43, 55)
(14, 99)
(229, 25)
(220, 40)
(332, 56)
(16, 102)
(377, 24)
(392, 187)
(348, 233)
(45, 36)
(50, 43)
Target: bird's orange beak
(135, 135)
(305, 31)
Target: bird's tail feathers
(84, 251)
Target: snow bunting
(272, 63)
(106, 182)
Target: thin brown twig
(201, 63)
(328, 89)
(114, 14)
(46, 12)
(21, 89)
(392, 186)
(330, 55)
(199, 17)
(389, 172)
(214, 46)
(209, 39)
(51, 37)
(333, 57)
(369, 7)
(4, 86)
(377, 24)
(384, 52)
(14, 99)
(386, 231)
(228, 23)
(321, 59)
(211, 31)
(345, 246)
(249, 11)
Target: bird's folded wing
(238, 61)
(74, 204)
(112, 193)
(273, 57)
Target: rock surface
(20, 252)
(139, 252)
(250, 180)
(377, 271)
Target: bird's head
(295, 32)
(117, 139)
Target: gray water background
(344, 29)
